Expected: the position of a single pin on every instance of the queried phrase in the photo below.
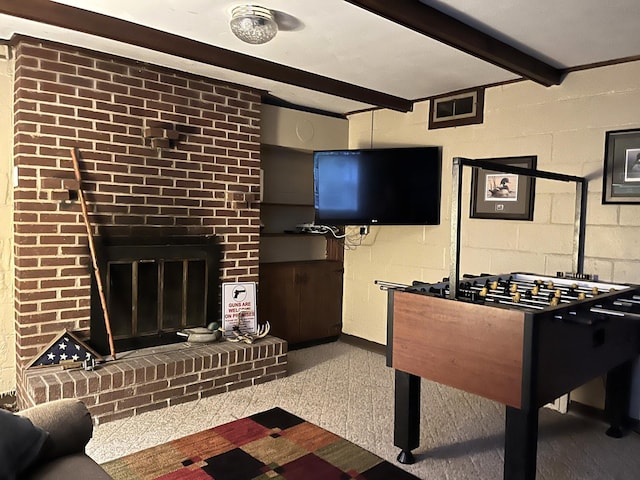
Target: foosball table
(519, 339)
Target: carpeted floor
(349, 392)
(270, 444)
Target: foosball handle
(406, 457)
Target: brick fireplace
(202, 180)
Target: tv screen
(388, 186)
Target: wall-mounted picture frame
(621, 178)
(503, 196)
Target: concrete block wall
(565, 127)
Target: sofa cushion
(20, 444)
(73, 466)
(68, 423)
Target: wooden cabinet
(300, 280)
(302, 300)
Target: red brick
(199, 387)
(267, 378)
(54, 392)
(109, 86)
(93, 134)
(276, 369)
(57, 305)
(93, 114)
(183, 380)
(150, 408)
(93, 383)
(76, 59)
(239, 385)
(22, 116)
(58, 88)
(152, 387)
(101, 410)
(250, 374)
(212, 392)
(166, 394)
(56, 66)
(114, 395)
(184, 399)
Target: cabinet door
(278, 300)
(320, 299)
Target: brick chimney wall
(206, 182)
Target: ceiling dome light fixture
(253, 24)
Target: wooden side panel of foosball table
(468, 346)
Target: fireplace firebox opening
(153, 289)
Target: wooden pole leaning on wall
(75, 154)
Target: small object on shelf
(249, 338)
(71, 364)
(200, 335)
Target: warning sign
(239, 307)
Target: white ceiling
(336, 39)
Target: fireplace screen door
(153, 291)
(149, 296)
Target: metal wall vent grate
(455, 109)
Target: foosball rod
(540, 299)
(509, 301)
(625, 304)
(518, 288)
(527, 302)
(629, 301)
(592, 291)
(615, 313)
(561, 283)
(544, 293)
(384, 285)
(545, 288)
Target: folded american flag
(65, 347)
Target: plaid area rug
(269, 445)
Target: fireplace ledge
(157, 377)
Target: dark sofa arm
(68, 423)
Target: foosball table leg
(406, 434)
(520, 444)
(618, 392)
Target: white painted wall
(7, 335)
(565, 127)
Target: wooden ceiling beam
(72, 18)
(433, 23)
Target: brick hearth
(158, 377)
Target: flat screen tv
(387, 186)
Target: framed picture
(503, 196)
(621, 179)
